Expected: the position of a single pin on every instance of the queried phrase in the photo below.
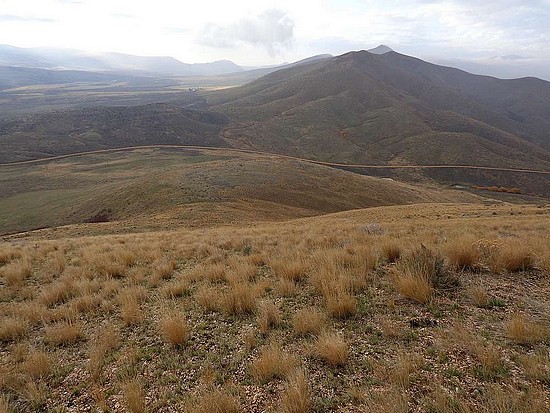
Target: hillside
(401, 309)
(366, 108)
(88, 129)
(165, 188)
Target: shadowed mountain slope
(88, 129)
(367, 108)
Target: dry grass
(12, 328)
(242, 298)
(309, 321)
(100, 349)
(537, 366)
(341, 304)
(463, 254)
(38, 364)
(272, 363)
(217, 401)
(491, 365)
(502, 400)
(174, 329)
(441, 401)
(16, 272)
(524, 331)
(516, 258)
(130, 305)
(175, 289)
(63, 333)
(391, 251)
(209, 298)
(229, 362)
(332, 348)
(286, 288)
(292, 269)
(57, 292)
(479, 296)
(388, 401)
(400, 371)
(268, 315)
(296, 397)
(134, 396)
(418, 274)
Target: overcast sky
(261, 32)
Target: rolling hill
(165, 188)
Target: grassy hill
(439, 308)
(168, 188)
(366, 108)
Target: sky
(264, 32)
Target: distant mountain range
(66, 59)
(61, 60)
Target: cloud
(273, 30)
(14, 18)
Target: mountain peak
(382, 49)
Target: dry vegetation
(440, 310)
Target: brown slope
(360, 107)
(159, 188)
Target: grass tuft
(174, 330)
(332, 348)
(272, 363)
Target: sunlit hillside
(438, 308)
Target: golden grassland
(432, 308)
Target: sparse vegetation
(227, 332)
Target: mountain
(67, 59)
(366, 108)
(12, 77)
(382, 49)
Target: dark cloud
(13, 18)
(272, 29)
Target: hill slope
(88, 129)
(167, 188)
(390, 108)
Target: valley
(364, 232)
